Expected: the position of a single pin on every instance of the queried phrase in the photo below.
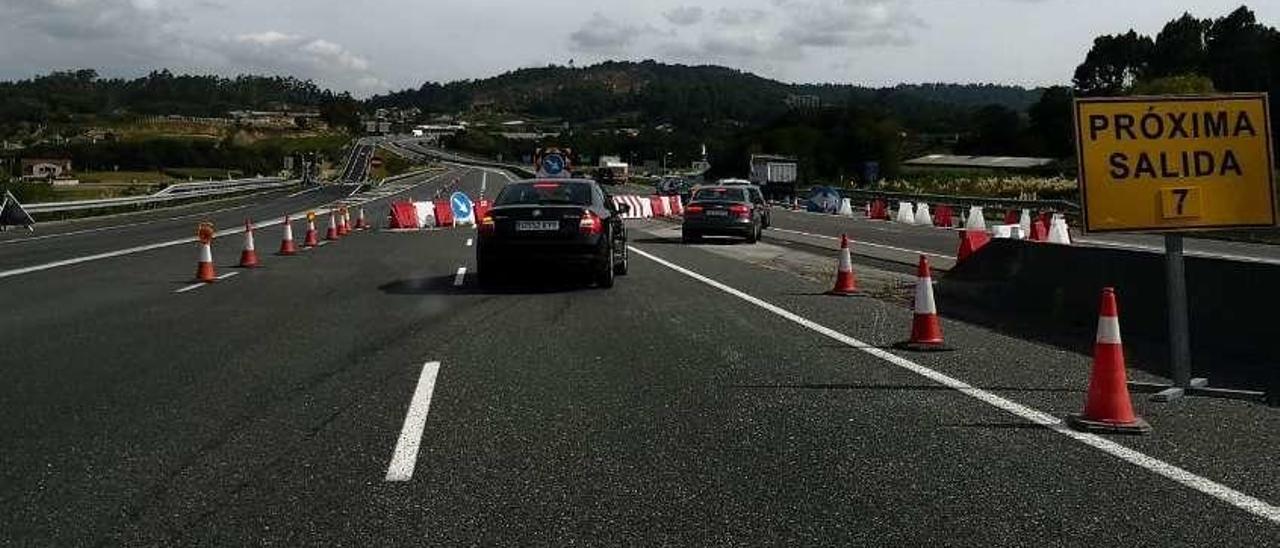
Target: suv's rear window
(545, 193)
(721, 194)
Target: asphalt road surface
(367, 393)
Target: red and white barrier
(648, 207)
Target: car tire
(620, 268)
(754, 236)
(604, 273)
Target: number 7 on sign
(1180, 203)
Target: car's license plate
(537, 226)
(717, 213)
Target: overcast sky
(368, 46)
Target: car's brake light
(739, 210)
(486, 225)
(590, 223)
(546, 185)
(694, 209)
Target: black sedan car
(722, 211)
(552, 222)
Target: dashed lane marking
(460, 277)
(1242, 501)
(469, 241)
(405, 457)
(193, 287)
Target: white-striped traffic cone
(249, 256)
(332, 233)
(286, 243)
(204, 263)
(1107, 407)
(926, 329)
(846, 281)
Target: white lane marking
(856, 243)
(1252, 505)
(1189, 252)
(203, 284)
(460, 277)
(469, 242)
(300, 193)
(405, 457)
(161, 245)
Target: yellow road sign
(1175, 163)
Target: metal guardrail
(183, 188)
(221, 187)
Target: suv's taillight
(590, 223)
(693, 210)
(486, 225)
(740, 211)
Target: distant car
(553, 222)
(722, 211)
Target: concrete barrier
(1049, 293)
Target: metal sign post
(1179, 324)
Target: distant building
(45, 168)
(995, 163)
(804, 101)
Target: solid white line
(460, 277)
(405, 456)
(193, 287)
(856, 243)
(161, 245)
(468, 242)
(1252, 505)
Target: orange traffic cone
(846, 282)
(1039, 232)
(311, 239)
(248, 257)
(343, 229)
(926, 330)
(1107, 407)
(286, 244)
(332, 233)
(360, 223)
(204, 264)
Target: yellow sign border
(1082, 184)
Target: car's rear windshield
(721, 194)
(542, 193)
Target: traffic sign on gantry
(1175, 163)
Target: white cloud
(604, 35)
(684, 15)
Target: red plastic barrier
(444, 214)
(403, 215)
(1012, 217)
(970, 242)
(1039, 232)
(677, 208)
(482, 209)
(659, 206)
(943, 216)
